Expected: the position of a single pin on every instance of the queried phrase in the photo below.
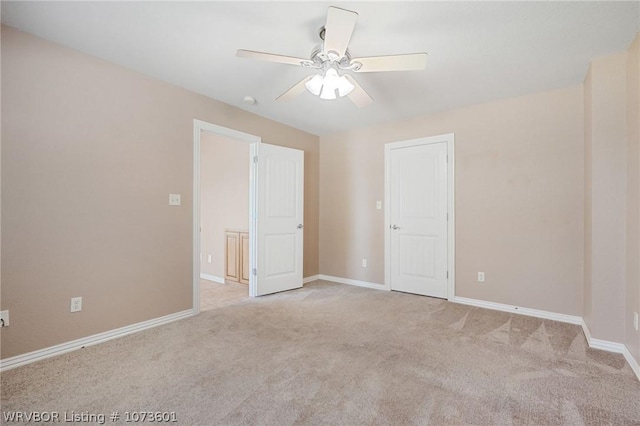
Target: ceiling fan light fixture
(327, 85)
(344, 86)
(314, 85)
(328, 93)
(331, 76)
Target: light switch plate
(480, 277)
(174, 199)
(378, 205)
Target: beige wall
(224, 196)
(91, 152)
(607, 137)
(632, 295)
(519, 199)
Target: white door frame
(449, 139)
(198, 127)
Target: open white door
(418, 224)
(279, 201)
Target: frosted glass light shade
(331, 78)
(344, 86)
(327, 85)
(314, 85)
(327, 93)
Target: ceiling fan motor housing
(323, 60)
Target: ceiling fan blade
(270, 57)
(295, 90)
(338, 30)
(408, 62)
(358, 96)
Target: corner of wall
(587, 117)
(605, 196)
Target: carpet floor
(340, 355)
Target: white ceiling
(478, 51)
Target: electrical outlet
(209, 258)
(635, 320)
(76, 304)
(480, 277)
(174, 199)
(364, 263)
(378, 205)
(4, 318)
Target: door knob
(395, 227)
(300, 226)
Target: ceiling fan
(332, 58)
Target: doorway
(201, 128)
(419, 216)
(276, 199)
(224, 220)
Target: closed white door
(418, 219)
(280, 196)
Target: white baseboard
(571, 319)
(213, 278)
(352, 282)
(605, 345)
(28, 358)
(632, 361)
(310, 279)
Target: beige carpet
(336, 354)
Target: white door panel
(280, 197)
(418, 219)
(275, 247)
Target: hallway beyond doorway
(215, 295)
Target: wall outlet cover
(174, 199)
(76, 304)
(4, 315)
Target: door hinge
(255, 271)
(255, 158)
